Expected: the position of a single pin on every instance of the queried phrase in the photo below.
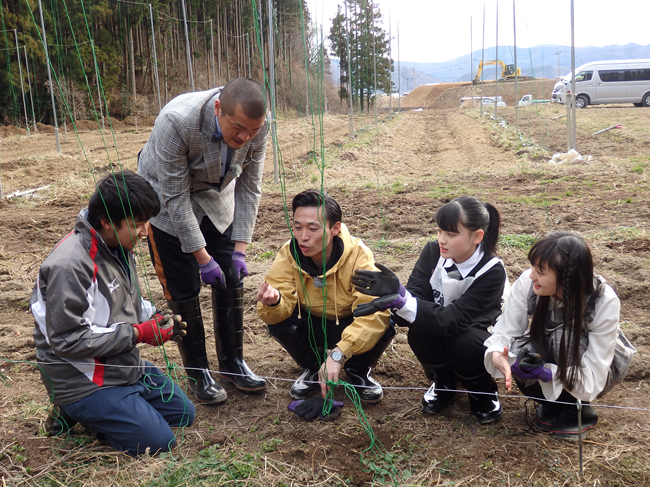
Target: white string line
(292, 380)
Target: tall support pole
(390, 69)
(22, 86)
(248, 53)
(374, 63)
(351, 127)
(99, 91)
(187, 45)
(483, 36)
(212, 54)
(573, 106)
(399, 73)
(272, 87)
(29, 84)
(497, 16)
(515, 62)
(153, 44)
(49, 77)
(219, 46)
(472, 67)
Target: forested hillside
(130, 39)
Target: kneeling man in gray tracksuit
(90, 315)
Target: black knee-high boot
(358, 369)
(294, 338)
(559, 418)
(228, 322)
(482, 393)
(438, 397)
(193, 353)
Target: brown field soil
(389, 182)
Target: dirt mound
(11, 130)
(424, 95)
(539, 89)
(45, 129)
(132, 121)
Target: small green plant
(270, 445)
(265, 256)
(519, 241)
(486, 465)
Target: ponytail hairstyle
(569, 257)
(473, 215)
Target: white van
(623, 81)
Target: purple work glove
(530, 365)
(211, 274)
(239, 264)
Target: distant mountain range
(538, 61)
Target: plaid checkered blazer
(183, 164)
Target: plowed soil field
(390, 181)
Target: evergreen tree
(370, 64)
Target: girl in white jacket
(574, 348)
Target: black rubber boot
(295, 341)
(193, 353)
(562, 420)
(358, 369)
(437, 397)
(484, 402)
(228, 322)
(58, 423)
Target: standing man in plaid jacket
(205, 158)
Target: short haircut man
(89, 316)
(205, 159)
(322, 253)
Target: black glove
(379, 305)
(311, 409)
(179, 327)
(528, 360)
(377, 283)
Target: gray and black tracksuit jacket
(84, 304)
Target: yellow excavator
(508, 70)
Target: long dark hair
(473, 215)
(569, 257)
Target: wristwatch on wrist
(337, 356)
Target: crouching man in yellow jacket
(307, 301)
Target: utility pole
(558, 64)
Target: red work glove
(157, 330)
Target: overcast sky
(435, 30)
